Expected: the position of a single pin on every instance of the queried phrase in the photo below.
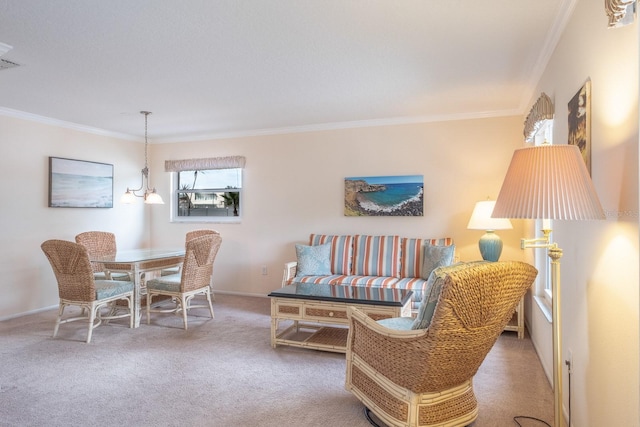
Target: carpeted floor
(221, 372)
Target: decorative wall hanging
(580, 122)
(80, 184)
(384, 196)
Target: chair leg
(149, 296)
(92, 318)
(60, 311)
(208, 293)
(185, 307)
(130, 303)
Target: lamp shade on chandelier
(150, 196)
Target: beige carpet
(221, 372)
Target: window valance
(229, 162)
(541, 110)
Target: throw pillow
(432, 292)
(313, 260)
(436, 256)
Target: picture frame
(399, 195)
(80, 184)
(579, 117)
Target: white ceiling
(213, 68)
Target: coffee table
(317, 313)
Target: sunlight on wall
(617, 105)
(618, 263)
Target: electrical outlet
(264, 270)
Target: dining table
(138, 262)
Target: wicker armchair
(423, 377)
(193, 280)
(77, 286)
(101, 243)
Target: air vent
(4, 64)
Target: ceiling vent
(4, 64)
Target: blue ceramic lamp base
(490, 245)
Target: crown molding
(64, 124)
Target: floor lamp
(549, 182)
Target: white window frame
(192, 165)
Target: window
(206, 190)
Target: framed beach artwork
(80, 184)
(401, 195)
(580, 122)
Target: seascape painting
(401, 195)
(80, 184)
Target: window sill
(544, 307)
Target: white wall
(294, 186)
(27, 280)
(600, 263)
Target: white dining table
(136, 262)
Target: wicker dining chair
(194, 279)
(189, 236)
(423, 377)
(101, 243)
(77, 286)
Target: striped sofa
(375, 261)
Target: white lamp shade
(153, 198)
(481, 218)
(128, 198)
(548, 182)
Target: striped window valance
(229, 162)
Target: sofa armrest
(289, 272)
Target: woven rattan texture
(318, 312)
(198, 262)
(475, 304)
(330, 336)
(98, 244)
(71, 266)
(287, 309)
(450, 409)
(388, 403)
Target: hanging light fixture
(150, 195)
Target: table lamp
(549, 182)
(490, 243)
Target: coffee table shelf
(316, 314)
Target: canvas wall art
(80, 184)
(401, 195)
(580, 122)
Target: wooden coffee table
(317, 313)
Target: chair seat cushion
(111, 288)
(397, 323)
(169, 283)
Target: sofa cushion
(371, 281)
(376, 256)
(397, 323)
(313, 260)
(412, 255)
(341, 251)
(436, 256)
(316, 279)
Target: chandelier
(150, 196)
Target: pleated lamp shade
(548, 182)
